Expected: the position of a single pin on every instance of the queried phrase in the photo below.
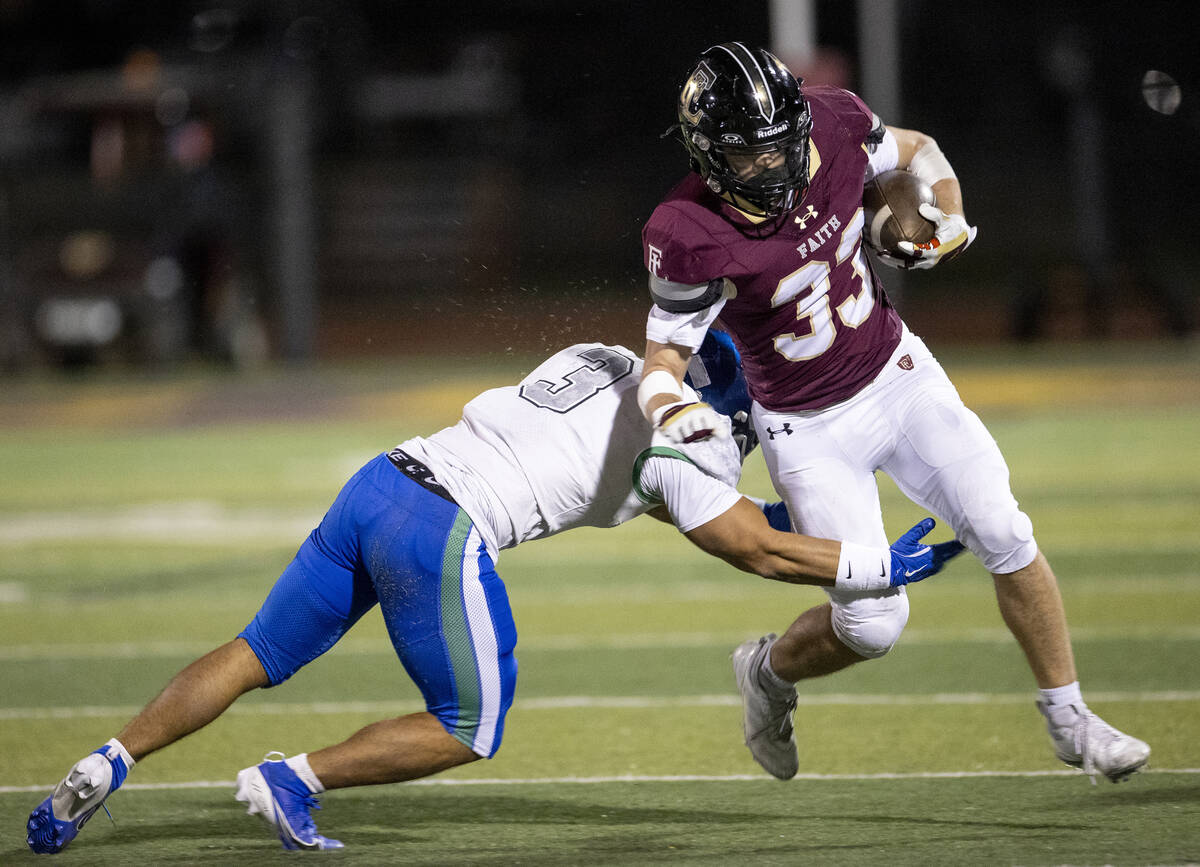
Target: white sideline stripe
(639, 778)
(584, 702)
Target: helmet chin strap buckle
(713, 184)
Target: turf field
(143, 520)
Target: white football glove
(689, 422)
(951, 236)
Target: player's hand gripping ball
(892, 208)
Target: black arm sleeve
(685, 297)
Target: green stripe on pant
(457, 632)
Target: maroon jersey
(810, 317)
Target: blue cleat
(272, 790)
(58, 819)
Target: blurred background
(242, 181)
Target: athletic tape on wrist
(930, 164)
(657, 382)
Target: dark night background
(319, 179)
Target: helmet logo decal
(700, 80)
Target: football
(890, 203)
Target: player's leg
(831, 495)
(448, 617)
(811, 648)
(315, 600)
(453, 631)
(1032, 608)
(824, 470)
(947, 462)
(193, 698)
(390, 751)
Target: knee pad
(991, 524)
(870, 625)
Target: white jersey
(568, 447)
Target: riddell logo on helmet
(771, 130)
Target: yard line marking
(638, 778)
(625, 641)
(182, 520)
(587, 702)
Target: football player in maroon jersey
(766, 233)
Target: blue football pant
(387, 539)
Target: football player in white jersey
(418, 530)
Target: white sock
(1063, 703)
(122, 752)
(300, 765)
(769, 679)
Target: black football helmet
(745, 124)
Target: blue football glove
(914, 561)
(778, 517)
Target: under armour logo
(786, 429)
(810, 215)
(905, 362)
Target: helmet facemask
(764, 180)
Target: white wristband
(930, 164)
(657, 382)
(862, 568)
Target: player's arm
(742, 537)
(661, 394)
(721, 522)
(661, 399)
(662, 375)
(919, 153)
(684, 307)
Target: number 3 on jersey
(811, 284)
(580, 377)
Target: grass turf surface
(897, 822)
(141, 522)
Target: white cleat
(766, 714)
(1089, 743)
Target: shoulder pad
(685, 297)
